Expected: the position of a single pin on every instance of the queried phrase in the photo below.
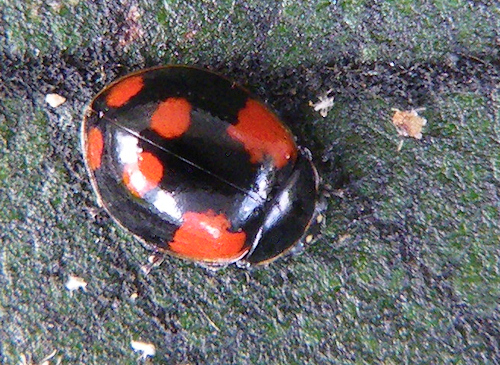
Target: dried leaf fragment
(408, 123)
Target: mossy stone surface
(407, 270)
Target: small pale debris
(24, 360)
(134, 296)
(339, 193)
(324, 105)
(154, 260)
(49, 357)
(209, 319)
(54, 100)
(408, 122)
(319, 219)
(147, 349)
(75, 283)
(55, 5)
(400, 146)
(132, 28)
(344, 238)
(133, 14)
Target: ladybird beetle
(195, 166)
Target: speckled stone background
(407, 270)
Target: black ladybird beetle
(195, 166)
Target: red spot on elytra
(262, 134)
(172, 118)
(143, 175)
(95, 146)
(206, 236)
(124, 90)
